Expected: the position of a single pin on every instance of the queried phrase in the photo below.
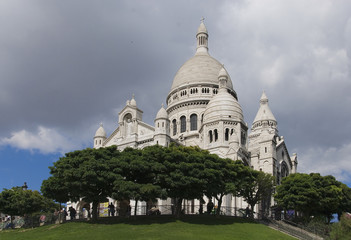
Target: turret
(100, 137)
(162, 131)
(264, 118)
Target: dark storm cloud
(67, 65)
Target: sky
(66, 66)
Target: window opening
(182, 124)
(193, 122)
(215, 135)
(174, 122)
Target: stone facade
(203, 110)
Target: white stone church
(203, 110)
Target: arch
(127, 117)
(215, 135)
(182, 124)
(226, 134)
(284, 172)
(193, 122)
(174, 122)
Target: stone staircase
(293, 231)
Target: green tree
(313, 194)
(342, 229)
(330, 195)
(345, 203)
(139, 172)
(181, 175)
(256, 186)
(86, 175)
(18, 202)
(223, 177)
(56, 189)
(298, 193)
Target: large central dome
(200, 69)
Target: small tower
(128, 120)
(202, 38)
(263, 138)
(162, 131)
(100, 137)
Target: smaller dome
(222, 73)
(162, 113)
(100, 132)
(202, 28)
(133, 102)
(223, 106)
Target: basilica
(203, 110)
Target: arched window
(193, 122)
(210, 135)
(226, 135)
(174, 122)
(284, 170)
(182, 124)
(215, 135)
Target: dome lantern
(202, 38)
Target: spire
(133, 102)
(264, 98)
(264, 112)
(202, 38)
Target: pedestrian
(111, 210)
(72, 213)
(247, 211)
(209, 206)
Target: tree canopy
(313, 194)
(18, 202)
(84, 174)
(257, 186)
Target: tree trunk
(12, 223)
(252, 211)
(95, 212)
(178, 206)
(219, 200)
(135, 207)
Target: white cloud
(45, 140)
(327, 161)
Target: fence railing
(32, 221)
(166, 210)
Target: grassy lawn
(158, 227)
